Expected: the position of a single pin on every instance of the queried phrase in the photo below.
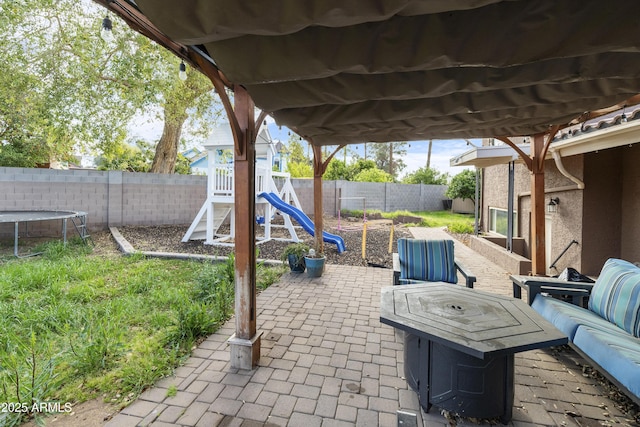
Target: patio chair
(420, 261)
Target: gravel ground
(168, 239)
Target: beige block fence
(116, 198)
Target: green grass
(455, 222)
(74, 326)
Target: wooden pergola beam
(522, 154)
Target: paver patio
(327, 361)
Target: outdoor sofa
(607, 332)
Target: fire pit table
(460, 345)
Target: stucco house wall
(630, 247)
(612, 206)
(564, 224)
(604, 218)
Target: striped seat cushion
(427, 260)
(616, 295)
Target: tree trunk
(166, 155)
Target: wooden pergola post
(538, 261)
(535, 164)
(318, 170)
(245, 343)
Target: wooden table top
(473, 322)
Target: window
(498, 221)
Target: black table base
(457, 382)
(459, 353)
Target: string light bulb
(183, 71)
(106, 32)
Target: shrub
(299, 250)
(373, 175)
(463, 186)
(460, 228)
(300, 170)
(337, 169)
(425, 175)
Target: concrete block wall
(431, 197)
(385, 197)
(45, 189)
(374, 194)
(116, 198)
(109, 197)
(304, 191)
(389, 197)
(161, 198)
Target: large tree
(73, 84)
(299, 165)
(63, 88)
(388, 157)
(296, 151)
(179, 100)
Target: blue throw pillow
(427, 260)
(616, 295)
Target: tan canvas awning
(354, 71)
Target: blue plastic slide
(302, 219)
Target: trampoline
(16, 217)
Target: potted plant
(315, 263)
(294, 254)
